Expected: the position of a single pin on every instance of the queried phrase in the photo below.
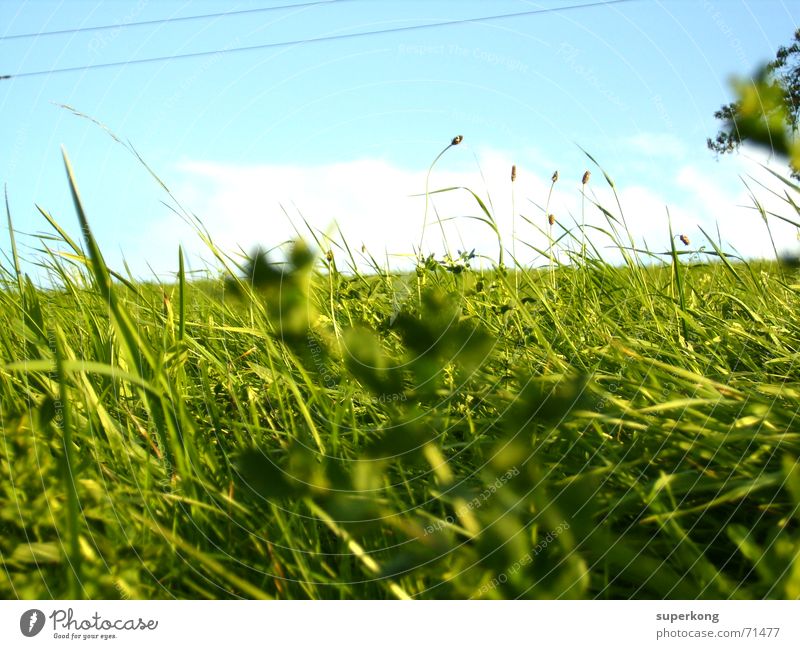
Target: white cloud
(374, 204)
(730, 206)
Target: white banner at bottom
(389, 625)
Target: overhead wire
(173, 19)
(317, 39)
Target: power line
(319, 39)
(176, 19)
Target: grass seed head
(684, 240)
(555, 176)
(513, 173)
(457, 140)
(551, 219)
(586, 175)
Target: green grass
(295, 431)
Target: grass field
(306, 430)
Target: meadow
(296, 427)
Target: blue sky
(343, 131)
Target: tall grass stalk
(514, 225)
(550, 222)
(584, 181)
(679, 282)
(63, 422)
(455, 142)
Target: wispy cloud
(379, 205)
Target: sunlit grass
(290, 430)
